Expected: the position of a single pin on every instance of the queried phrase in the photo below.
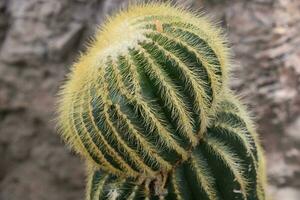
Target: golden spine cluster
(148, 106)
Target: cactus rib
(219, 167)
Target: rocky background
(39, 40)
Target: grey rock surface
(286, 193)
(293, 131)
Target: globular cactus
(227, 164)
(142, 96)
(149, 108)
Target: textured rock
(58, 47)
(3, 19)
(28, 182)
(293, 131)
(39, 28)
(287, 193)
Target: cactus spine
(149, 108)
(227, 164)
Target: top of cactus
(142, 96)
(126, 29)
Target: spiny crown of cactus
(149, 108)
(142, 96)
(226, 164)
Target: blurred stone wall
(40, 39)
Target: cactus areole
(137, 104)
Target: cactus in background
(227, 164)
(142, 96)
(149, 108)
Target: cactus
(227, 164)
(142, 96)
(149, 108)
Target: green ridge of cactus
(227, 164)
(143, 95)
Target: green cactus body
(141, 97)
(149, 108)
(227, 164)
